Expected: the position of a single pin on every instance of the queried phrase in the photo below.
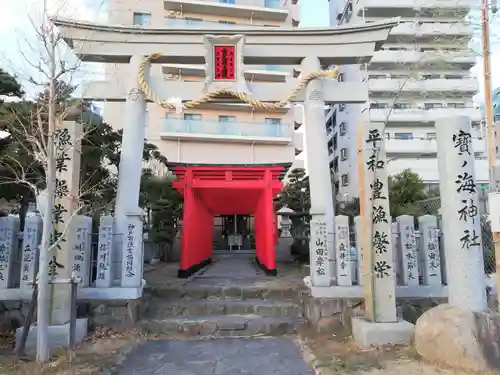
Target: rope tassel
(257, 104)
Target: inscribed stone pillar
(9, 227)
(429, 250)
(409, 254)
(104, 277)
(381, 275)
(132, 259)
(459, 205)
(32, 236)
(67, 192)
(81, 249)
(359, 256)
(398, 259)
(342, 248)
(321, 224)
(129, 177)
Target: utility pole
(490, 126)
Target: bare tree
(49, 64)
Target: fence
(418, 248)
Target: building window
(430, 136)
(227, 1)
(227, 118)
(344, 179)
(336, 164)
(274, 4)
(273, 121)
(402, 106)
(228, 22)
(387, 135)
(192, 116)
(335, 142)
(343, 154)
(342, 107)
(378, 105)
(336, 185)
(142, 18)
(455, 105)
(403, 136)
(193, 21)
(433, 105)
(343, 128)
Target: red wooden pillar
(193, 246)
(266, 256)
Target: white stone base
(58, 335)
(368, 333)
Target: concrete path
(231, 356)
(232, 266)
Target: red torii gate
(223, 190)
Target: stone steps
(224, 325)
(239, 292)
(226, 307)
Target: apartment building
(224, 138)
(421, 74)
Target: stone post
(67, 192)
(429, 249)
(321, 242)
(382, 273)
(129, 178)
(398, 260)
(81, 249)
(104, 277)
(359, 255)
(132, 258)
(343, 250)
(408, 245)
(9, 228)
(459, 205)
(32, 236)
(380, 324)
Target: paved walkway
(232, 266)
(231, 356)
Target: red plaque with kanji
(224, 63)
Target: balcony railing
(226, 129)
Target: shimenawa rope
(269, 107)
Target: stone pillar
(129, 178)
(343, 250)
(429, 250)
(9, 228)
(132, 259)
(81, 249)
(396, 250)
(459, 205)
(32, 236)
(409, 254)
(321, 242)
(359, 255)
(67, 192)
(382, 274)
(104, 277)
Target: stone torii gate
(141, 48)
(311, 48)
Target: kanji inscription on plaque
(224, 63)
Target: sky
(16, 31)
